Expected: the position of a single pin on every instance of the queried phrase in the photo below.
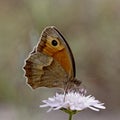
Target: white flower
(73, 101)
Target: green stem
(70, 116)
(70, 112)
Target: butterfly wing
(51, 64)
(52, 43)
(44, 71)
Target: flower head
(73, 101)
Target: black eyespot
(54, 42)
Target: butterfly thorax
(72, 85)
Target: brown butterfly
(51, 63)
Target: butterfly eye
(54, 42)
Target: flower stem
(70, 112)
(70, 116)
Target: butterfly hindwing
(44, 71)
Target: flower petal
(73, 101)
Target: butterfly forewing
(61, 53)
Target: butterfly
(51, 63)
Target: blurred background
(92, 29)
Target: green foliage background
(92, 29)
